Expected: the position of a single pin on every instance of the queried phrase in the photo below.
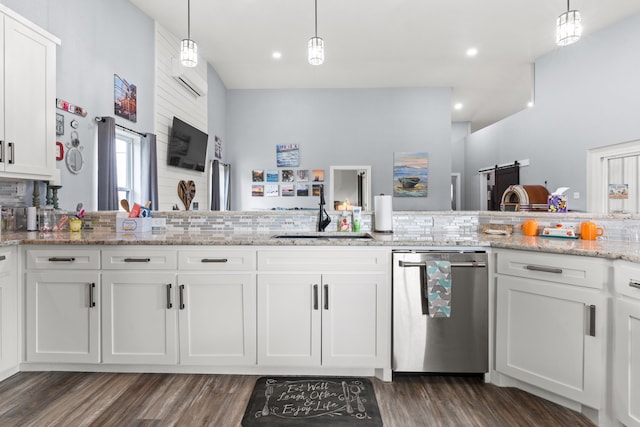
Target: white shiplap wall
(171, 99)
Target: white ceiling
(385, 43)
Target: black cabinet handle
(592, 320)
(315, 297)
(181, 297)
(92, 287)
(169, 303)
(137, 260)
(1, 151)
(634, 284)
(326, 297)
(544, 268)
(3, 257)
(214, 260)
(61, 259)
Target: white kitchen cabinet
(217, 318)
(63, 316)
(551, 330)
(8, 312)
(139, 319)
(63, 305)
(28, 91)
(336, 314)
(627, 343)
(217, 306)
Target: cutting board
(186, 192)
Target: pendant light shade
(569, 27)
(188, 47)
(316, 44)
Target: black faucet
(323, 217)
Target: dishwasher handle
(453, 264)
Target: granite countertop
(593, 248)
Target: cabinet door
(217, 318)
(8, 312)
(353, 327)
(545, 337)
(29, 118)
(289, 319)
(627, 357)
(139, 317)
(63, 316)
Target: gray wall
(587, 96)
(339, 127)
(100, 38)
(217, 111)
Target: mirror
(351, 183)
(74, 160)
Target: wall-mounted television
(187, 146)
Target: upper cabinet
(28, 91)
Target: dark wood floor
(98, 399)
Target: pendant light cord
(189, 19)
(317, 17)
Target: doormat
(312, 401)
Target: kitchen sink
(322, 235)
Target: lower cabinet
(139, 320)
(550, 332)
(63, 316)
(335, 319)
(627, 343)
(217, 318)
(8, 311)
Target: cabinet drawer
(568, 269)
(139, 259)
(217, 259)
(357, 259)
(7, 259)
(627, 279)
(79, 258)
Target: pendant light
(569, 27)
(316, 45)
(188, 47)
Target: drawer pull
(169, 303)
(214, 260)
(181, 297)
(634, 284)
(61, 259)
(546, 269)
(592, 320)
(11, 147)
(3, 257)
(92, 287)
(137, 260)
(474, 264)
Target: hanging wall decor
(218, 147)
(125, 99)
(287, 155)
(59, 124)
(70, 108)
(410, 172)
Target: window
(128, 165)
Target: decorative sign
(59, 124)
(287, 155)
(618, 191)
(218, 147)
(70, 108)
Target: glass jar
(47, 218)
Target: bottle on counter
(344, 224)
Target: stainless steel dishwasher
(454, 344)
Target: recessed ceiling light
(276, 55)
(458, 106)
(472, 51)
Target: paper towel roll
(31, 219)
(383, 214)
